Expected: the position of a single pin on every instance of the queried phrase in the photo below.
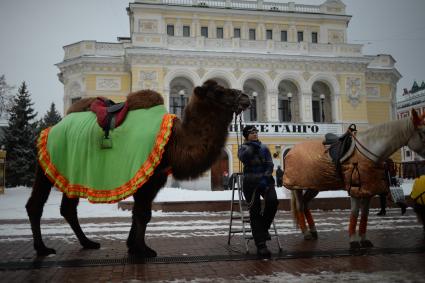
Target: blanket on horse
(71, 155)
(309, 166)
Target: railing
(242, 4)
(93, 48)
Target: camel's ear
(199, 91)
(417, 121)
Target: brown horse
(309, 169)
(193, 146)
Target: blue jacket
(257, 161)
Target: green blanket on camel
(71, 155)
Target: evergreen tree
(19, 140)
(5, 97)
(52, 117)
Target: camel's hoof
(308, 236)
(145, 252)
(314, 235)
(88, 244)
(45, 251)
(366, 244)
(355, 245)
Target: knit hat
(248, 129)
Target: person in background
(258, 181)
(391, 175)
(418, 197)
(225, 180)
(279, 176)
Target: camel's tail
(294, 209)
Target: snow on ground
(12, 202)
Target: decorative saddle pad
(71, 155)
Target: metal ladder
(236, 181)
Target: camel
(309, 169)
(191, 147)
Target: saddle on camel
(106, 152)
(353, 163)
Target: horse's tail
(294, 209)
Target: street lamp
(254, 106)
(181, 93)
(322, 101)
(289, 106)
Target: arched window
(180, 90)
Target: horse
(184, 148)
(359, 170)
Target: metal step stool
(236, 181)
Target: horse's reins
(364, 147)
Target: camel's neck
(383, 140)
(197, 141)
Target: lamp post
(289, 106)
(181, 93)
(254, 106)
(322, 101)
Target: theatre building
(295, 62)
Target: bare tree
(5, 96)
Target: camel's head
(230, 99)
(417, 140)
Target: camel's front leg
(69, 212)
(142, 213)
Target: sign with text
(290, 129)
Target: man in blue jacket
(258, 181)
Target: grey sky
(33, 33)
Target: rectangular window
(170, 30)
(219, 32)
(269, 34)
(186, 31)
(283, 35)
(251, 34)
(237, 33)
(300, 36)
(314, 37)
(204, 31)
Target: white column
(306, 109)
(167, 97)
(336, 106)
(272, 104)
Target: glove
(264, 183)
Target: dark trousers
(420, 211)
(261, 220)
(383, 201)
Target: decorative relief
(272, 74)
(372, 91)
(148, 80)
(108, 83)
(353, 87)
(237, 73)
(306, 75)
(150, 26)
(336, 36)
(201, 72)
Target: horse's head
(230, 99)
(417, 140)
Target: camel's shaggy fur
(194, 145)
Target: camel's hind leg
(40, 193)
(69, 212)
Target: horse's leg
(308, 196)
(365, 243)
(69, 212)
(355, 205)
(298, 194)
(40, 193)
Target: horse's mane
(384, 139)
(135, 100)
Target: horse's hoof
(366, 244)
(90, 245)
(354, 245)
(45, 251)
(314, 235)
(308, 236)
(145, 252)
